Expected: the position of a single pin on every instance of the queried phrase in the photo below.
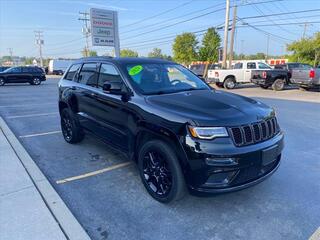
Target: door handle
(93, 94)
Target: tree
(156, 53)
(185, 48)
(128, 53)
(210, 45)
(306, 50)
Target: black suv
(32, 75)
(181, 133)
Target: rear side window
(88, 74)
(263, 65)
(108, 73)
(72, 71)
(251, 65)
(305, 66)
(26, 70)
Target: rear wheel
(264, 86)
(229, 83)
(278, 85)
(160, 171)
(36, 81)
(2, 82)
(71, 129)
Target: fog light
(221, 162)
(219, 179)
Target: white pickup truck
(240, 73)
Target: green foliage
(89, 53)
(185, 48)
(157, 53)
(210, 45)
(128, 53)
(306, 50)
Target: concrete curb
(67, 222)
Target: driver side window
(108, 73)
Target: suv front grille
(254, 133)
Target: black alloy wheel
(160, 171)
(70, 127)
(156, 173)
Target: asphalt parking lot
(111, 203)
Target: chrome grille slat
(254, 133)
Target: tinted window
(305, 66)
(279, 67)
(88, 74)
(251, 65)
(151, 78)
(262, 65)
(238, 66)
(293, 65)
(74, 68)
(13, 70)
(26, 70)
(108, 73)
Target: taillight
(216, 74)
(312, 74)
(264, 74)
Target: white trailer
(57, 66)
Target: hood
(211, 108)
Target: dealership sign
(104, 28)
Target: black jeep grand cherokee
(182, 134)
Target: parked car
(181, 133)
(275, 78)
(241, 73)
(32, 75)
(289, 67)
(2, 68)
(306, 77)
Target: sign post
(104, 29)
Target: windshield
(163, 78)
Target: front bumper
(251, 164)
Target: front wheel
(71, 129)
(229, 83)
(278, 85)
(160, 171)
(2, 82)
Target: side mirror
(113, 88)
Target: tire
(229, 83)
(70, 126)
(278, 84)
(165, 167)
(2, 82)
(219, 85)
(36, 81)
(264, 86)
(303, 88)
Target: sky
(143, 25)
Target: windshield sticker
(135, 70)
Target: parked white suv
(240, 73)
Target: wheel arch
(230, 76)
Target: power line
(158, 14)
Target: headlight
(208, 132)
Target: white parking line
(33, 115)
(39, 134)
(315, 235)
(90, 174)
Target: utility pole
(84, 16)
(305, 26)
(226, 29)
(267, 53)
(39, 42)
(232, 34)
